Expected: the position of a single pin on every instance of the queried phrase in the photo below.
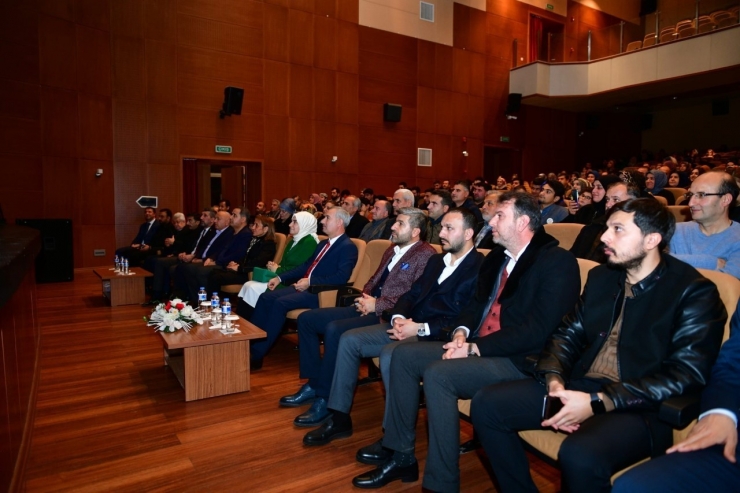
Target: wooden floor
(110, 416)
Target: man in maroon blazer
(401, 265)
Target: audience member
(136, 252)
(655, 182)
(484, 238)
(357, 222)
(282, 222)
(460, 196)
(551, 193)
(440, 203)
(374, 229)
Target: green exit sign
(223, 149)
(504, 138)
(550, 7)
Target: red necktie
(492, 323)
(318, 259)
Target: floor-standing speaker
(55, 262)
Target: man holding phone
(614, 352)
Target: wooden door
(232, 185)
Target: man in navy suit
(526, 284)
(331, 264)
(143, 238)
(443, 289)
(707, 459)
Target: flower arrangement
(173, 316)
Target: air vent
(426, 12)
(425, 157)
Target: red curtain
(535, 38)
(190, 185)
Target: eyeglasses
(700, 195)
(587, 197)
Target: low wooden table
(122, 289)
(208, 363)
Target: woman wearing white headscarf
(300, 247)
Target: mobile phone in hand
(550, 407)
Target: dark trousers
(269, 314)
(135, 256)
(221, 277)
(683, 472)
(445, 381)
(188, 278)
(161, 268)
(603, 445)
(331, 323)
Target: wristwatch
(421, 331)
(597, 405)
(471, 353)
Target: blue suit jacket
(219, 243)
(235, 249)
(723, 390)
(146, 237)
(438, 308)
(335, 267)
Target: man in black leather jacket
(648, 327)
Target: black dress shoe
(385, 473)
(255, 364)
(304, 395)
(316, 415)
(374, 454)
(326, 433)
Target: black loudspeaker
(646, 121)
(720, 107)
(392, 112)
(513, 103)
(648, 7)
(55, 262)
(233, 97)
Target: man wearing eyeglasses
(712, 239)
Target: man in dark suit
(143, 238)
(401, 265)
(331, 263)
(526, 284)
(432, 303)
(707, 459)
(352, 205)
(484, 238)
(648, 327)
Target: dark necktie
(492, 323)
(317, 260)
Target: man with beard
(484, 238)
(525, 286)
(401, 265)
(648, 327)
(436, 298)
(440, 203)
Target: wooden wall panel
(242, 12)
(20, 173)
(371, 114)
(205, 147)
(209, 93)
(93, 13)
(377, 91)
(129, 132)
(325, 7)
(194, 62)
(94, 67)
(382, 67)
(325, 146)
(347, 145)
(443, 111)
(162, 134)
(460, 70)
(127, 18)
(514, 11)
(477, 117)
(477, 31)
(300, 136)
(301, 92)
(19, 25)
(425, 67)
(57, 52)
(21, 101)
(161, 72)
(129, 78)
(276, 33)
(443, 67)
(96, 127)
(325, 95)
(21, 62)
(348, 40)
(61, 175)
(95, 237)
(388, 44)
(276, 151)
(426, 117)
(392, 167)
(460, 114)
(477, 74)
(461, 26)
(160, 20)
(164, 182)
(97, 199)
(58, 8)
(325, 43)
(205, 123)
(59, 122)
(382, 139)
(220, 36)
(348, 11)
(129, 182)
(300, 37)
(442, 158)
(19, 136)
(348, 89)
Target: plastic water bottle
(225, 313)
(202, 296)
(215, 309)
(115, 263)
(125, 266)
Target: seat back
(565, 233)
(649, 40)
(437, 248)
(662, 200)
(635, 45)
(281, 241)
(682, 213)
(677, 192)
(374, 251)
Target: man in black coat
(648, 328)
(357, 222)
(525, 286)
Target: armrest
(319, 288)
(680, 411)
(346, 295)
(530, 362)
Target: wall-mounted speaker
(513, 103)
(720, 107)
(233, 97)
(391, 112)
